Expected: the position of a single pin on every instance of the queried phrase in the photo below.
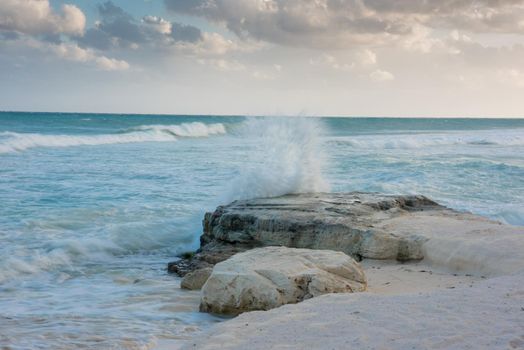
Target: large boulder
(347, 222)
(265, 278)
(362, 225)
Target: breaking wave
(16, 142)
(413, 141)
(195, 129)
(284, 156)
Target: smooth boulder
(266, 278)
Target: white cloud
(213, 44)
(381, 76)
(458, 36)
(366, 57)
(512, 77)
(332, 62)
(223, 65)
(73, 52)
(260, 75)
(158, 24)
(110, 64)
(349, 23)
(37, 17)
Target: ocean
(93, 206)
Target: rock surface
(265, 278)
(363, 225)
(196, 279)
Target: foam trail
(415, 141)
(286, 158)
(16, 142)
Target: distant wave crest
(186, 130)
(414, 141)
(16, 142)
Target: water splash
(285, 157)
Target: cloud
(187, 33)
(366, 57)
(36, 17)
(223, 64)
(271, 72)
(347, 23)
(360, 59)
(29, 46)
(332, 62)
(118, 29)
(110, 64)
(212, 44)
(260, 75)
(158, 24)
(381, 76)
(513, 77)
(73, 52)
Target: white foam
(195, 129)
(60, 255)
(414, 141)
(16, 142)
(286, 158)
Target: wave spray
(285, 157)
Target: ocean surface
(92, 207)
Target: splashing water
(286, 158)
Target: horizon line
(266, 116)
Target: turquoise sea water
(92, 207)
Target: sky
(416, 58)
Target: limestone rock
(362, 225)
(195, 280)
(265, 278)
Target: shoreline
(486, 316)
(385, 278)
(462, 273)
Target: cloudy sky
(264, 57)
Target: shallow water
(94, 206)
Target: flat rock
(265, 278)
(362, 225)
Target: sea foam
(286, 157)
(16, 142)
(451, 138)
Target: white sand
(394, 278)
(489, 314)
(468, 293)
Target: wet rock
(362, 225)
(195, 280)
(340, 221)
